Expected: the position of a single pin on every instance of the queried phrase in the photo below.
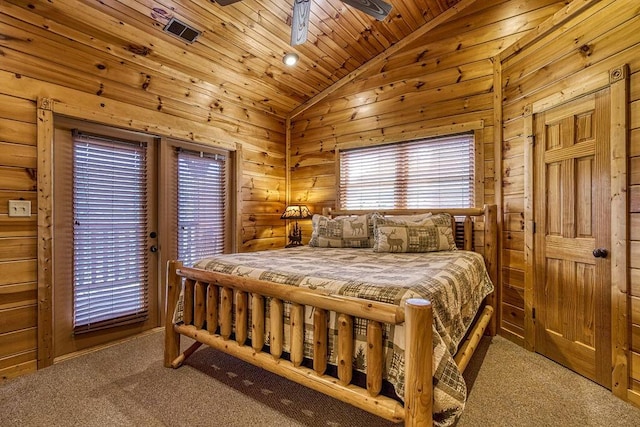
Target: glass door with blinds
(105, 248)
(202, 204)
(196, 201)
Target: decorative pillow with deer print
(344, 232)
(431, 234)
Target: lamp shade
(296, 212)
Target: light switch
(19, 208)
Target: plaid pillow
(344, 232)
(429, 235)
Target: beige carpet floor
(126, 385)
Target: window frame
(477, 128)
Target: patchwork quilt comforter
(455, 282)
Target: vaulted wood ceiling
(237, 58)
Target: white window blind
(428, 173)
(202, 195)
(109, 234)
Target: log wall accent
(563, 62)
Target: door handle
(600, 253)
(153, 248)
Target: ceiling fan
(300, 22)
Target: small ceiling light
(290, 59)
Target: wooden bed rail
(372, 310)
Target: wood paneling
(18, 244)
(17, 341)
(235, 65)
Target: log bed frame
(212, 298)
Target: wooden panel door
(572, 220)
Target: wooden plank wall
(31, 68)
(577, 55)
(444, 78)
(18, 237)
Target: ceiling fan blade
(376, 8)
(300, 21)
(226, 2)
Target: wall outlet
(19, 208)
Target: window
(426, 173)
(202, 204)
(110, 216)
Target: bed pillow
(429, 235)
(343, 232)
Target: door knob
(153, 248)
(600, 253)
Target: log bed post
(418, 394)
(171, 337)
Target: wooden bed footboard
(210, 291)
(213, 300)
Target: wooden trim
(478, 183)
(171, 338)
(529, 226)
(600, 81)
(497, 176)
(491, 259)
(423, 133)
(237, 199)
(384, 56)
(287, 171)
(619, 231)
(164, 240)
(337, 166)
(287, 161)
(45, 231)
(574, 8)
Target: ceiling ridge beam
(383, 56)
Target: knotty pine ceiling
(236, 60)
